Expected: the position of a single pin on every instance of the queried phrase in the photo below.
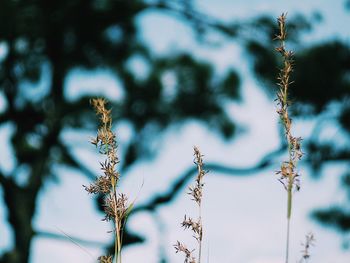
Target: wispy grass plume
(309, 241)
(196, 226)
(288, 172)
(116, 206)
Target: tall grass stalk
(288, 174)
(188, 223)
(116, 205)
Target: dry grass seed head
(105, 259)
(309, 241)
(188, 223)
(196, 191)
(179, 247)
(195, 226)
(116, 208)
(288, 174)
(105, 141)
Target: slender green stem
(119, 255)
(201, 232)
(289, 200)
(289, 213)
(200, 242)
(117, 246)
(287, 240)
(117, 242)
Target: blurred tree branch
(182, 180)
(69, 238)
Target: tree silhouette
(53, 38)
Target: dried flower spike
(288, 174)
(189, 223)
(105, 259)
(309, 241)
(179, 247)
(116, 207)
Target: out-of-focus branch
(71, 161)
(4, 117)
(69, 238)
(3, 179)
(174, 190)
(199, 19)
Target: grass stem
(288, 174)
(287, 240)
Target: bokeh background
(177, 73)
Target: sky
(244, 217)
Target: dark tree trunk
(21, 207)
